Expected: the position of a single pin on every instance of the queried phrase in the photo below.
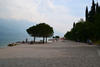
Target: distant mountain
(13, 28)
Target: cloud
(19, 9)
(47, 11)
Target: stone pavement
(58, 54)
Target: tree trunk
(43, 40)
(34, 39)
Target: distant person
(26, 40)
(89, 41)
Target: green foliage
(86, 14)
(89, 29)
(56, 37)
(81, 32)
(44, 30)
(11, 45)
(32, 31)
(40, 30)
(97, 42)
(92, 12)
(97, 26)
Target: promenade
(57, 54)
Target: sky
(60, 14)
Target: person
(90, 41)
(26, 40)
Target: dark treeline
(87, 30)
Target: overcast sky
(58, 13)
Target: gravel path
(58, 54)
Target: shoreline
(22, 42)
(47, 50)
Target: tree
(44, 30)
(97, 8)
(89, 29)
(40, 30)
(32, 31)
(86, 14)
(97, 24)
(92, 12)
(74, 24)
(56, 37)
(81, 32)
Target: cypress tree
(74, 25)
(86, 14)
(92, 12)
(93, 7)
(97, 8)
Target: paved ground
(59, 54)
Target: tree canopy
(40, 30)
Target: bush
(13, 44)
